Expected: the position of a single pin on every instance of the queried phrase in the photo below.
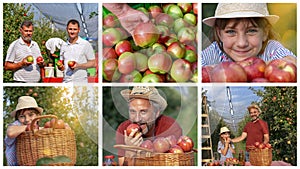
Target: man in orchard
(255, 131)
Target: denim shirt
(11, 145)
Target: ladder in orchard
(207, 152)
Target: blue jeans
(247, 156)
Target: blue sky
(241, 97)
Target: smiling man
(78, 50)
(255, 131)
(25, 71)
(145, 109)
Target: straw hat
(25, 102)
(255, 106)
(224, 130)
(241, 10)
(145, 92)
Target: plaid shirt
(10, 144)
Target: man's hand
(133, 139)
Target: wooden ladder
(207, 152)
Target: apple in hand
(71, 63)
(161, 145)
(228, 72)
(181, 70)
(29, 59)
(39, 59)
(133, 127)
(279, 70)
(254, 67)
(186, 143)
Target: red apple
(155, 10)
(39, 59)
(254, 67)
(160, 63)
(261, 146)
(228, 72)
(47, 124)
(176, 50)
(172, 140)
(195, 8)
(206, 73)
(141, 61)
(161, 145)
(152, 78)
(126, 63)
(256, 144)
(164, 33)
(181, 70)
(71, 63)
(134, 76)
(124, 34)
(259, 80)
(145, 34)
(281, 71)
(268, 145)
(109, 53)
(165, 20)
(123, 46)
(109, 68)
(185, 7)
(131, 127)
(175, 149)
(60, 63)
(186, 143)
(174, 11)
(158, 48)
(190, 18)
(110, 37)
(147, 144)
(110, 21)
(30, 59)
(186, 35)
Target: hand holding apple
(72, 64)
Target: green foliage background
(77, 106)
(13, 15)
(182, 106)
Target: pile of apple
(260, 146)
(167, 144)
(60, 124)
(231, 162)
(252, 69)
(161, 50)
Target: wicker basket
(260, 157)
(47, 142)
(146, 157)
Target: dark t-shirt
(164, 126)
(255, 132)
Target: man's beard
(27, 39)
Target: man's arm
(88, 64)
(15, 66)
(240, 138)
(266, 138)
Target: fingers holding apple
(72, 64)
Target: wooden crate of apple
(252, 69)
(167, 52)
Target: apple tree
(279, 109)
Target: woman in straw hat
(256, 130)
(145, 109)
(27, 109)
(225, 146)
(242, 30)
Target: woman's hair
(19, 112)
(262, 23)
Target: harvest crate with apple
(161, 50)
(163, 151)
(52, 145)
(260, 154)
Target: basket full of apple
(252, 69)
(163, 151)
(50, 145)
(260, 154)
(161, 50)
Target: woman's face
(26, 116)
(225, 135)
(241, 39)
